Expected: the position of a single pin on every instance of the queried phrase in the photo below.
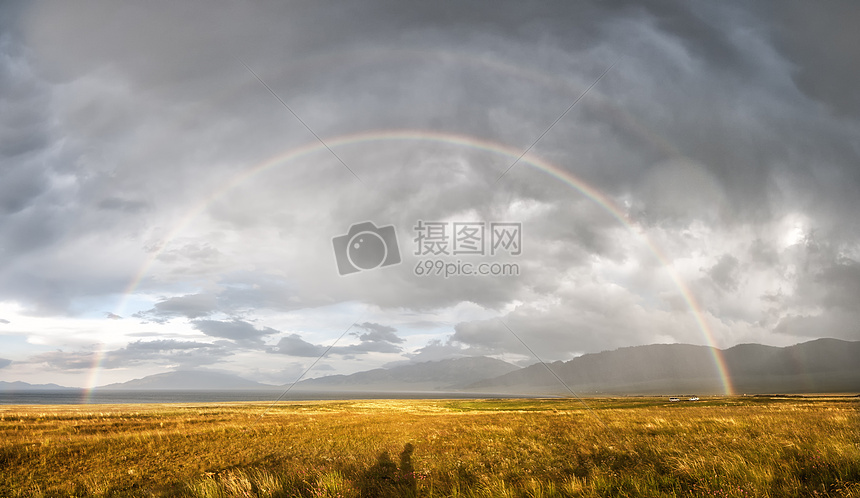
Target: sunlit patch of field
(550, 447)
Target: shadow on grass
(385, 478)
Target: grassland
(617, 447)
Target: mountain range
(24, 386)
(443, 375)
(190, 380)
(822, 365)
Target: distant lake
(79, 396)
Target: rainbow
(93, 379)
(459, 140)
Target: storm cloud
(710, 176)
(162, 352)
(375, 338)
(238, 331)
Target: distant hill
(444, 375)
(24, 386)
(191, 380)
(823, 365)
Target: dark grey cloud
(184, 353)
(25, 125)
(20, 188)
(763, 253)
(235, 294)
(59, 360)
(133, 144)
(3, 320)
(701, 180)
(171, 352)
(243, 290)
(124, 205)
(27, 132)
(4, 362)
(724, 274)
(368, 347)
(377, 333)
(377, 338)
(238, 331)
(188, 306)
(589, 318)
(438, 349)
(824, 48)
(294, 345)
(825, 278)
(842, 281)
(199, 253)
(839, 323)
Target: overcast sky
(160, 209)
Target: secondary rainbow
(460, 140)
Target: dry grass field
(537, 448)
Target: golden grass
(476, 448)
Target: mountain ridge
(26, 386)
(441, 375)
(188, 380)
(821, 365)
